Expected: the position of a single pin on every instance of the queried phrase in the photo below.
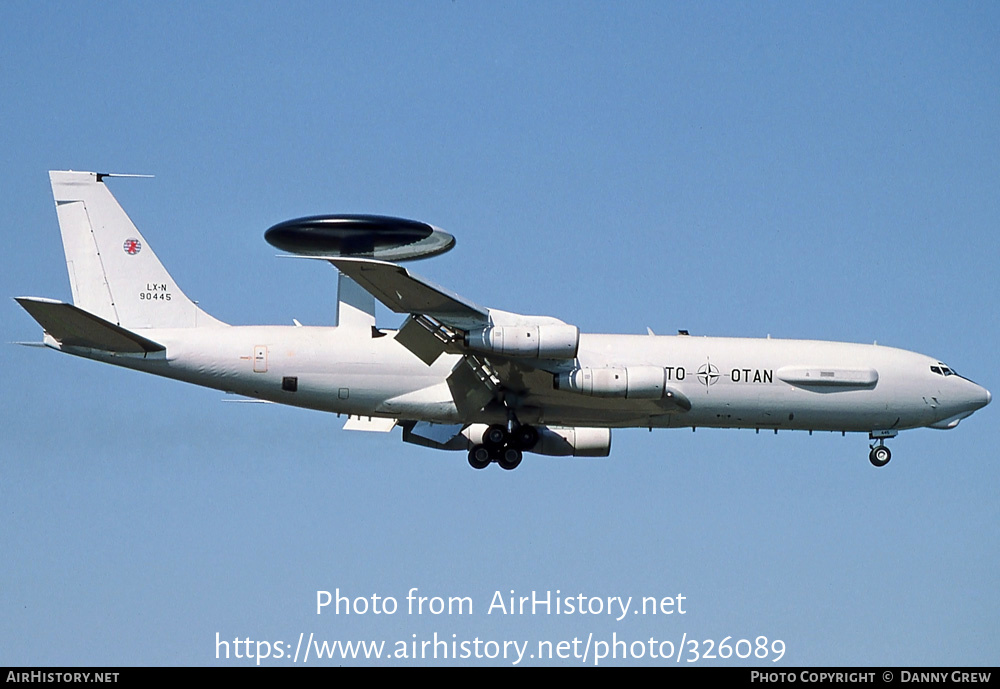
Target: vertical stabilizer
(113, 272)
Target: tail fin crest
(113, 272)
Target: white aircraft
(459, 376)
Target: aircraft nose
(979, 397)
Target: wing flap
(372, 424)
(470, 387)
(71, 326)
(419, 340)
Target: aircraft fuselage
(730, 382)
(458, 375)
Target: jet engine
(556, 441)
(632, 382)
(563, 441)
(528, 341)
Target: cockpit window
(943, 370)
(937, 370)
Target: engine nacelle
(527, 341)
(556, 441)
(632, 382)
(561, 441)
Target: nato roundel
(362, 236)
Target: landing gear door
(260, 359)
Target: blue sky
(793, 169)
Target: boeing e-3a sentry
(459, 376)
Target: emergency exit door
(260, 359)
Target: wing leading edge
(403, 292)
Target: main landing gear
(503, 446)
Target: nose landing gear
(880, 455)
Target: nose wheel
(880, 455)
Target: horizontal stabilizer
(73, 327)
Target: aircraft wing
(503, 353)
(441, 319)
(403, 292)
